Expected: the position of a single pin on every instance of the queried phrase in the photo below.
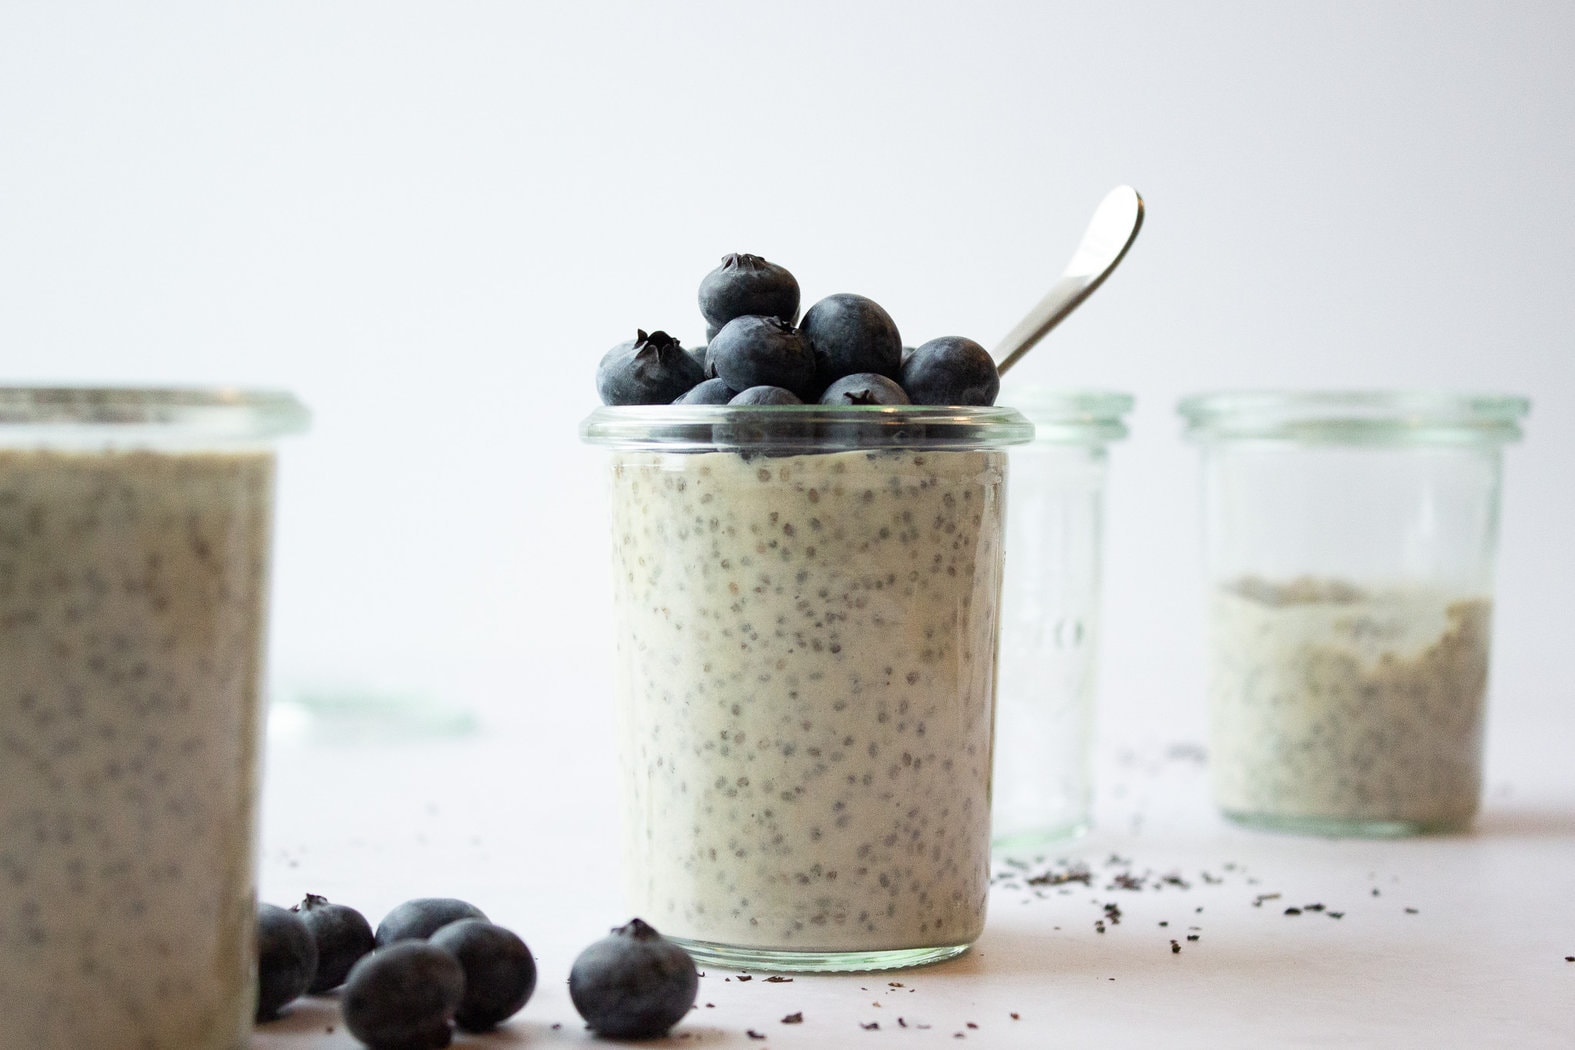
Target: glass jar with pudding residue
(1350, 540)
(806, 611)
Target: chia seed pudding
(1343, 708)
(132, 597)
(806, 665)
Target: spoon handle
(1105, 242)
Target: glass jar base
(1346, 827)
(1019, 843)
(706, 953)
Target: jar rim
(213, 411)
(803, 428)
(1355, 416)
(1064, 416)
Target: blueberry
(761, 351)
(848, 334)
(647, 370)
(342, 935)
(286, 959)
(951, 370)
(713, 391)
(747, 284)
(403, 997)
(766, 395)
(500, 974)
(418, 919)
(633, 984)
(865, 388)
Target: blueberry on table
(747, 284)
(866, 388)
(421, 917)
(633, 983)
(761, 351)
(647, 370)
(848, 334)
(342, 935)
(500, 974)
(286, 959)
(404, 997)
(951, 370)
(713, 391)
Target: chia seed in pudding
(806, 650)
(1354, 707)
(132, 595)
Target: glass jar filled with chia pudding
(134, 555)
(1050, 615)
(1350, 544)
(807, 607)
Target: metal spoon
(1110, 233)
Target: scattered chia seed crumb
(894, 984)
(754, 1034)
(1175, 947)
(1293, 911)
(1258, 901)
(794, 1018)
(1165, 922)
(1337, 915)
(745, 977)
(1016, 1016)
(1312, 907)
(1192, 936)
(971, 1024)
(1375, 891)
(778, 979)
(556, 1025)
(901, 1023)
(871, 1027)
(1410, 911)
(1569, 958)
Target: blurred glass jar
(1350, 540)
(1043, 780)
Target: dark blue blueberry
(500, 974)
(761, 351)
(342, 935)
(951, 370)
(866, 388)
(420, 918)
(766, 395)
(633, 983)
(403, 997)
(648, 370)
(848, 334)
(860, 431)
(747, 284)
(707, 392)
(286, 959)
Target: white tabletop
(1283, 940)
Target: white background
(430, 219)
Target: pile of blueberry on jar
(435, 963)
(845, 350)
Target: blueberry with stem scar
(633, 983)
(747, 284)
(342, 935)
(647, 370)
